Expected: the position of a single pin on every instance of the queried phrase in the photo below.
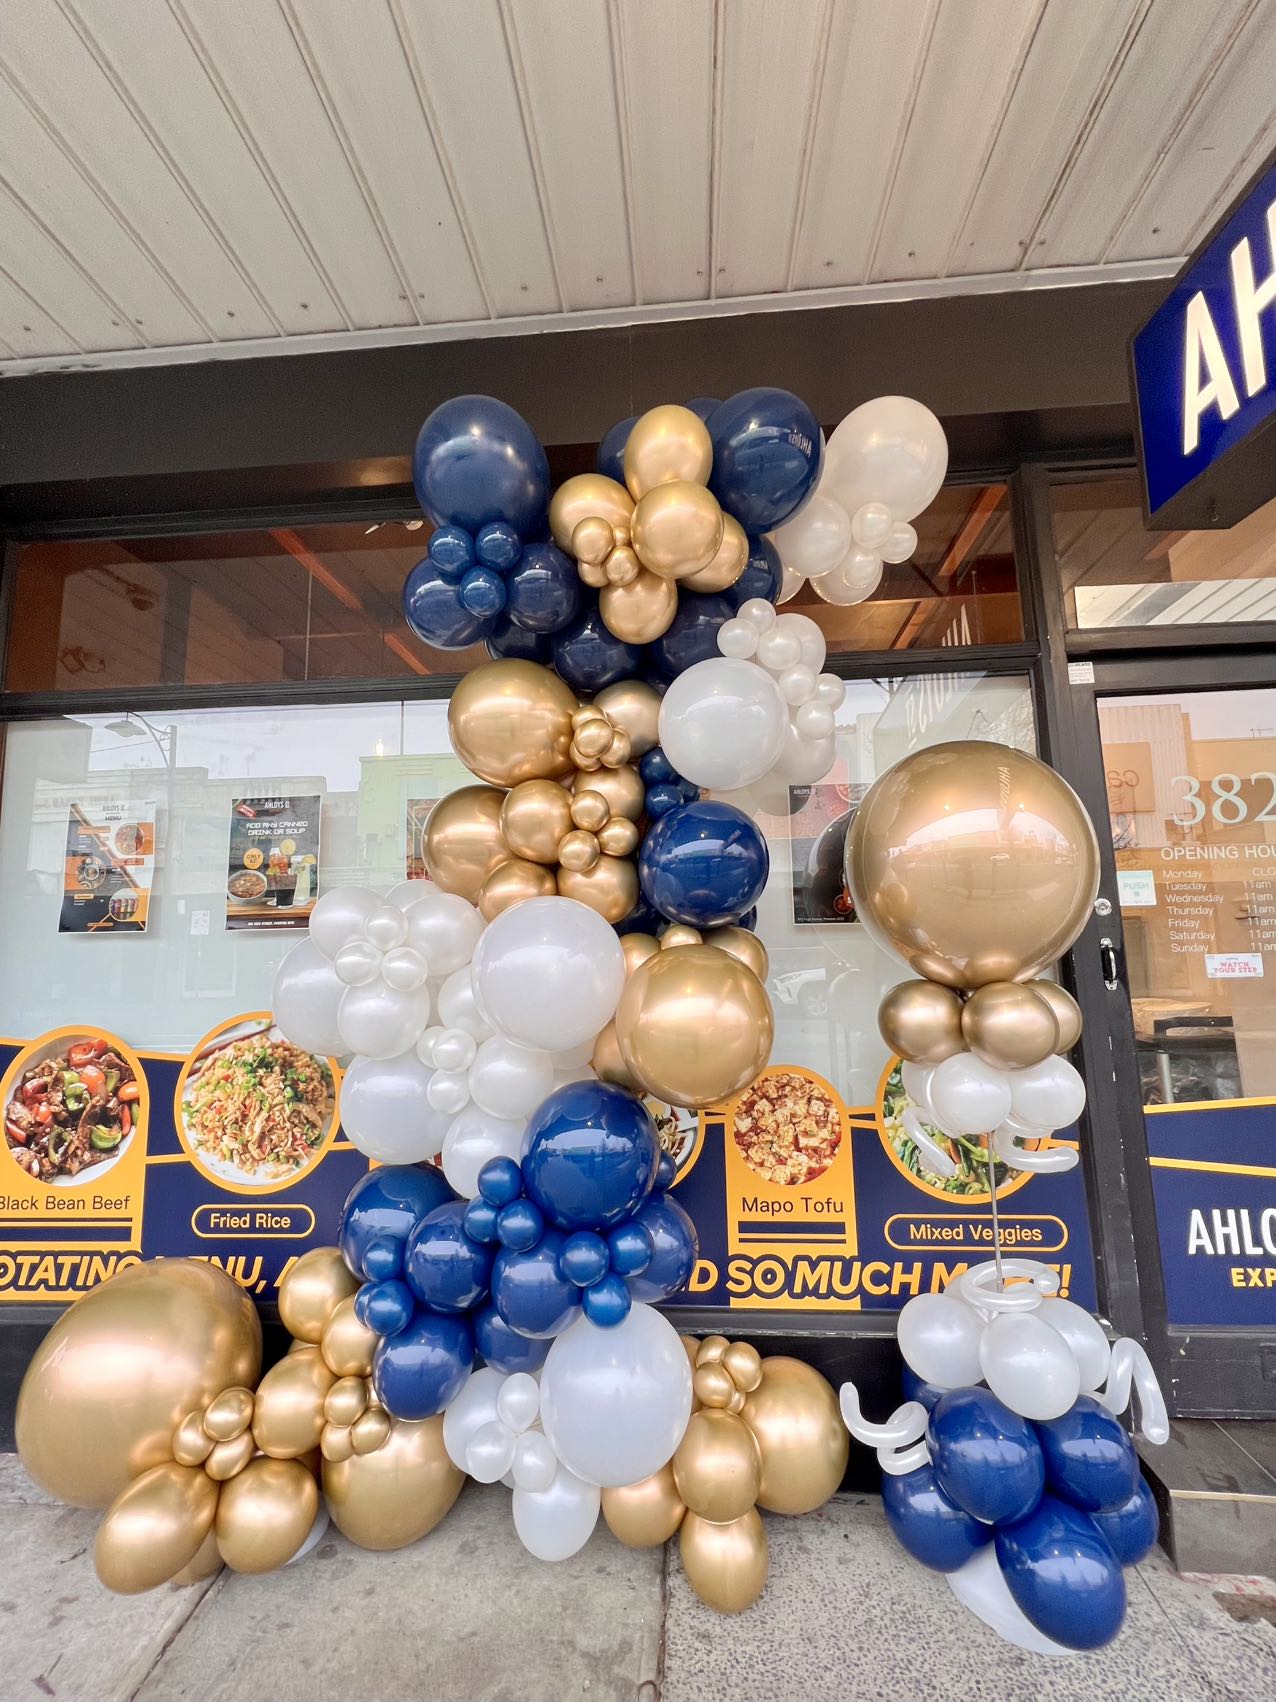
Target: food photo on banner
(500, 1123)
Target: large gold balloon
(639, 611)
(311, 1290)
(586, 497)
(120, 1369)
(534, 817)
(265, 1514)
(1008, 1026)
(677, 529)
(347, 1346)
(463, 840)
(154, 1528)
(512, 720)
(742, 944)
(288, 1417)
(717, 1468)
(510, 883)
(1067, 1012)
(793, 1412)
(607, 1063)
(727, 565)
(694, 1025)
(665, 444)
(974, 862)
(389, 1498)
(634, 707)
(610, 887)
(921, 1021)
(207, 1563)
(644, 1514)
(622, 787)
(228, 1416)
(726, 1565)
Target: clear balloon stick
(996, 1224)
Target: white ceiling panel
(25, 328)
(68, 292)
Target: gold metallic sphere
(694, 1025)
(610, 887)
(677, 530)
(634, 707)
(389, 1497)
(265, 1514)
(578, 851)
(347, 1346)
(534, 817)
(589, 810)
(1009, 1026)
(739, 942)
(921, 1022)
(311, 1291)
(726, 1565)
(713, 1385)
(512, 720)
(154, 1527)
(794, 1414)
(229, 1458)
(666, 444)
(463, 840)
(229, 1414)
(644, 1514)
(1067, 1012)
(717, 1468)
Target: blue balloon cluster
(665, 787)
(1063, 1502)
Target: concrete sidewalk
(466, 1614)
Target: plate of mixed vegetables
(968, 1152)
(73, 1110)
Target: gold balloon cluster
(636, 545)
(561, 808)
(694, 1024)
(763, 1433)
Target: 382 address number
(1225, 803)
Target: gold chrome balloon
(397, 1493)
(793, 1412)
(1008, 1026)
(694, 1025)
(726, 1565)
(346, 1400)
(743, 1364)
(289, 1410)
(229, 1414)
(191, 1442)
(206, 1564)
(265, 1514)
(742, 944)
(618, 836)
(578, 851)
(607, 1063)
(680, 934)
(534, 817)
(589, 810)
(637, 949)
(370, 1430)
(666, 444)
(512, 720)
(677, 530)
(610, 887)
(644, 1514)
(639, 611)
(711, 1350)
(337, 1442)
(713, 1384)
(228, 1458)
(1067, 1012)
(154, 1527)
(622, 787)
(634, 707)
(921, 1021)
(717, 1468)
(510, 883)
(974, 862)
(727, 565)
(311, 1290)
(347, 1346)
(122, 1368)
(586, 497)
(463, 840)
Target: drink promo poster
(272, 877)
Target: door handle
(1110, 959)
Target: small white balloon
(453, 1048)
(814, 720)
(338, 917)
(378, 1022)
(737, 638)
(803, 761)
(386, 927)
(557, 1522)
(535, 1462)
(857, 578)
(458, 1007)
(901, 544)
(404, 968)
(474, 1407)
(871, 525)
(816, 538)
(916, 1080)
(357, 964)
(1084, 1335)
(305, 1000)
(510, 1080)
(809, 637)
(969, 1097)
(406, 893)
(569, 1057)
(519, 1401)
(790, 584)
(798, 684)
(832, 690)
(444, 928)
(490, 1453)
(1029, 1366)
(778, 650)
(939, 1338)
(449, 1091)
(758, 612)
(425, 1045)
(386, 1112)
(1048, 1095)
(473, 1137)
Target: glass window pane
(1117, 573)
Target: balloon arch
(585, 944)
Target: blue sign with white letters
(1204, 369)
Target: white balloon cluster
(762, 708)
(882, 466)
(966, 1096)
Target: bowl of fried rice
(256, 1109)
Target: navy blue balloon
(611, 451)
(642, 919)
(498, 546)
(1090, 1459)
(1063, 1575)
(766, 456)
(452, 551)
(675, 1247)
(1132, 1528)
(506, 639)
(519, 1225)
(692, 634)
(666, 1171)
(442, 1266)
(476, 461)
(748, 921)
(607, 1302)
(480, 1221)
(703, 406)
(762, 576)
(987, 1459)
(654, 767)
(660, 799)
(530, 1292)
(590, 1158)
(384, 1306)
(916, 1389)
(589, 657)
(585, 1258)
(383, 1257)
(932, 1528)
(387, 1202)
(433, 608)
(504, 1349)
(629, 1248)
(544, 591)
(418, 1371)
(703, 864)
(482, 592)
(500, 1181)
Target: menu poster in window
(819, 817)
(110, 863)
(417, 814)
(272, 876)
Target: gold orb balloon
(637, 949)
(534, 817)
(726, 1565)
(265, 1514)
(512, 720)
(634, 707)
(694, 1025)
(288, 1417)
(644, 1514)
(974, 862)
(794, 1414)
(122, 1368)
(227, 1458)
(1008, 1026)
(311, 1290)
(229, 1414)
(370, 1430)
(463, 840)
(677, 530)
(347, 1346)
(191, 1442)
(921, 1021)
(589, 810)
(154, 1527)
(743, 1364)
(346, 1400)
(579, 850)
(1067, 1012)
(588, 496)
(717, 1468)
(607, 1063)
(713, 1384)
(510, 883)
(618, 837)
(206, 1564)
(622, 787)
(665, 444)
(399, 1492)
(742, 944)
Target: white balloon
(814, 720)
(406, 893)
(969, 1097)
(358, 964)
(816, 538)
(1029, 1366)
(473, 1137)
(938, 1336)
(722, 722)
(831, 689)
(338, 917)
(509, 1080)
(798, 684)
(569, 1057)
(804, 761)
(573, 1072)
(444, 928)
(790, 584)
(490, 1453)
(452, 1048)
(550, 971)
(615, 1402)
(809, 636)
(378, 1022)
(449, 1091)
(534, 1462)
(404, 968)
(555, 1523)
(458, 1007)
(916, 1083)
(425, 1045)
(386, 927)
(778, 650)
(890, 450)
(1048, 1095)
(474, 1407)
(519, 1401)
(901, 543)
(737, 638)
(980, 1585)
(758, 612)
(871, 525)
(386, 1112)
(305, 1000)
(857, 578)
(1084, 1335)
